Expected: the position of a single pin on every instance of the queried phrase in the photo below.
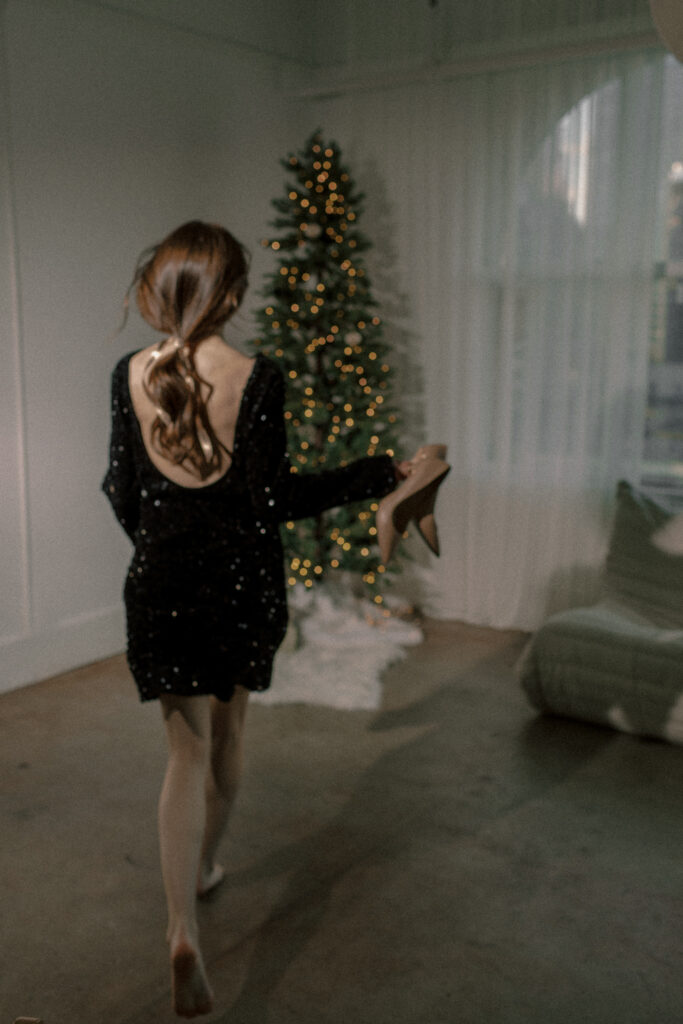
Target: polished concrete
(450, 859)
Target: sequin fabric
(205, 592)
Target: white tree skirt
(345, 645)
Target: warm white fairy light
(344, 424)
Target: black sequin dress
(205, 592)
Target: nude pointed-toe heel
(426, 523)
(424, 517)
(413, 499)
(426, 527)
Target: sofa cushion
(639, 574)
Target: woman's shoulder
(267, 368)
(119, 377)
(266, 385)
(121, 366)
(264, 392)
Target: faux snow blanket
(335, 653)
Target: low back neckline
(141, 438)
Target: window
(663, 446)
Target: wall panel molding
(83, 639)
(15, 559)
(113, 128)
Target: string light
(333, 401)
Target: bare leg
(181, 826)
(222, 781)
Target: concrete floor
(451, 859)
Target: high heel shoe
(426, 524)
(413, 499)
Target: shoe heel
(426, 527)
(413, 500)
(425, 520)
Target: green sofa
(620, 662)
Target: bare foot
(209, 880)
(192, 995)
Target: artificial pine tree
(320, 323)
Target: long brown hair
(187, 286)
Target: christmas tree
(320, 323)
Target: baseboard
(60, 648)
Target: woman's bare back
(223, 368)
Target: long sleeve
(120, 483)
(277, 493)
(308, 494)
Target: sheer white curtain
(518, 211)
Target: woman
(199, 479)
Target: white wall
(114, 128)
(119, 120)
